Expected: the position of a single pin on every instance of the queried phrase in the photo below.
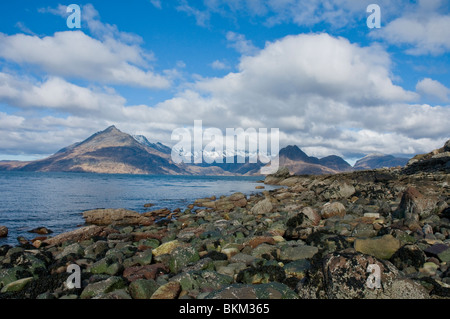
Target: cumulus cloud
(77, 55)
(423, 28)
(57, 94)
(324, 93)
(434, 89)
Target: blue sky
(313, 69)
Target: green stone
(17, 285)
(142, 288)
(102, 287)
(107, 265)
(445, 256)
(182, 256)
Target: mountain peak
(111, 128)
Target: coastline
(270, 245)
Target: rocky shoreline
(316, 237)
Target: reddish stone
(144, 272)
(256, 241)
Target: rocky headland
(314, 237)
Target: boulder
(293, 253)
(79, 234)
(263, 207)
(380, 247)
(171, 290)
(333, 209)
(115, 216)
(181, 257)
(414, 205)
(166, 248)
(102, 287)
(408, 256)
(143, 288)
(347, 276)
(273, 290)
(41, 231)
(144, 272)
(3, 231)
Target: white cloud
(240, 43)
(421, 28)
(433, 88)
(323, 92)
(335, 13)
(75, 54)
(219, 65)
(156, 3)
(420, 34)
(57, 94)
(201, 17)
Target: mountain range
(115, 152)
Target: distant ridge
(112, 151)
(376, 160)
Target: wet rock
(261, 274)
(3, 231)
(10, 275)
(265, 251)
(273, 290)
(298, 252)
(200, 281)
(345, 276)
(333, 209)
(77, 235)
(242, 258)
(102, 287)
(41, 231)
(215, 255)
(408, 256)
(182, 256)
(115, 216)
(166, 248)
(74, 249)
(440, 251)
(171, 290)
(139, 259)
(108, 265)
(258, 240)
(96, 250)
(363, 230)
(380, 247)
(17, 285)
(143, 288)
(297, 269)
(429, 268)
(145, 272)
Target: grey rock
(298, 252)
(102, 287)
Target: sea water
(57, 200)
